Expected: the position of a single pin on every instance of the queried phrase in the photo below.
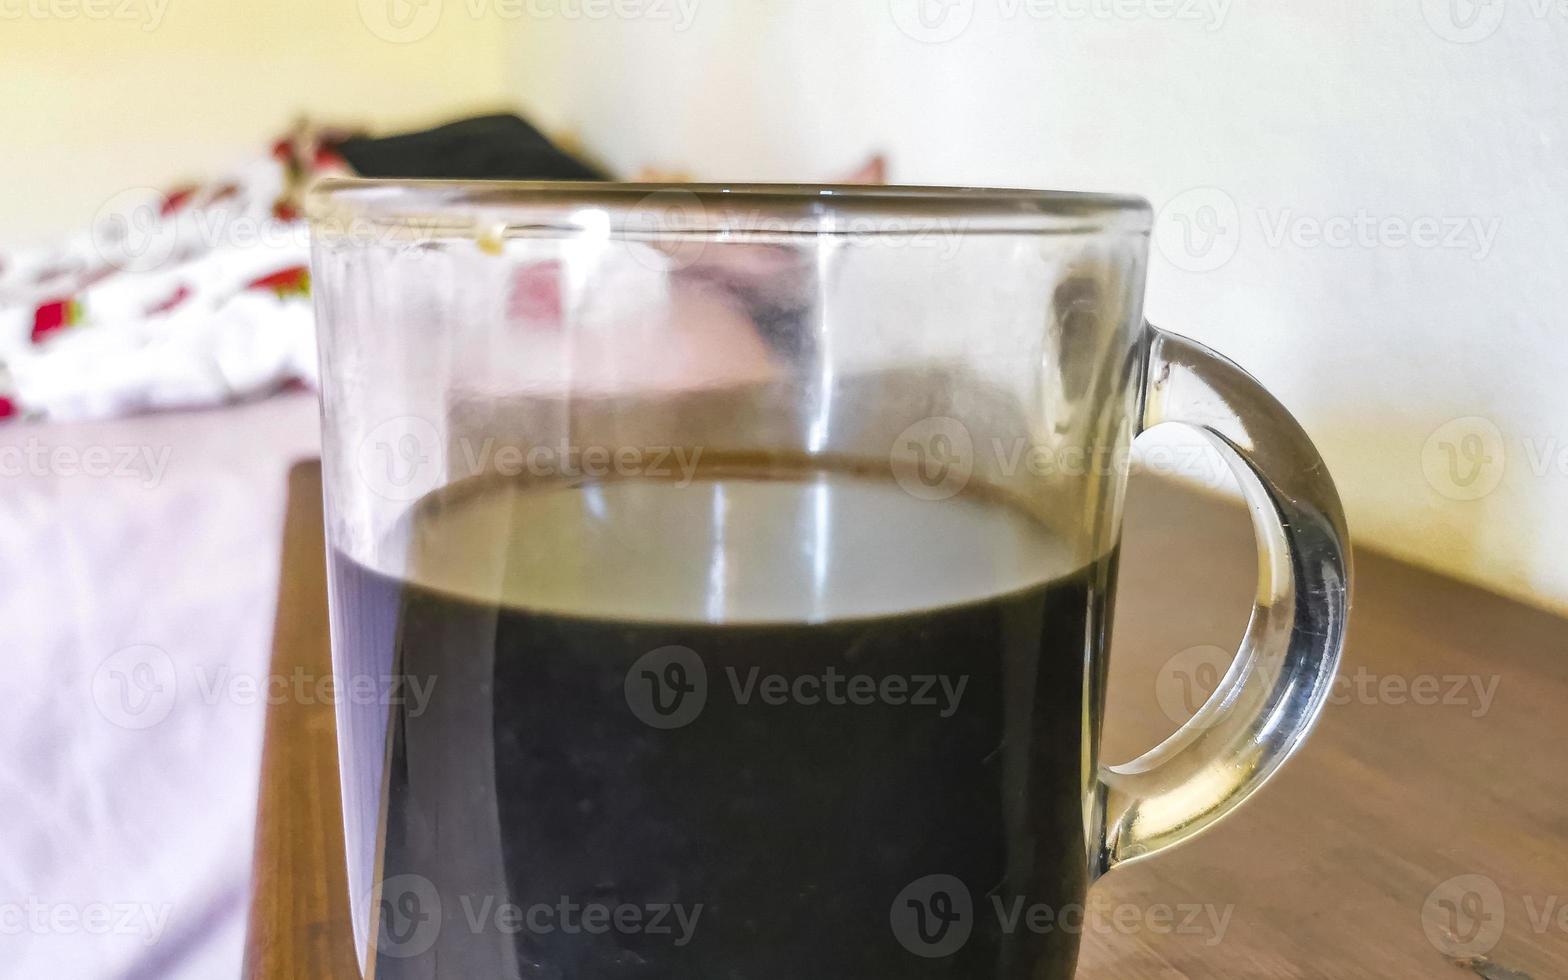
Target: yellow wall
(1391, 356)
(92, 102)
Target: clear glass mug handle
(1268, 701)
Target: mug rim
(543, 208)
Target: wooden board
(1423, 831)
(299, 918)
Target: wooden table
(1426, 820)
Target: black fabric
(778, 298)
(499, 147)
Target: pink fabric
(138, 575)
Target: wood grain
(1440, 761)
(1328, 871)
(299, 917)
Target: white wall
(1289, 113)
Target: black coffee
(746, 725)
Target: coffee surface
(783, 723)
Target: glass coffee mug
(721, 576)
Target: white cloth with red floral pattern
(180, 299)
(188, 298)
